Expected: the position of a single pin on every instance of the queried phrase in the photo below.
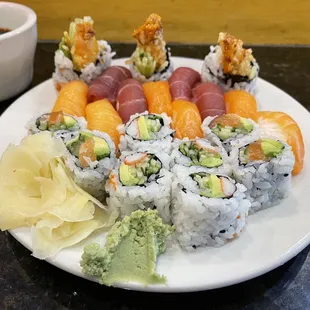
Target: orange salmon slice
(255, 151)
(55, 118)
(231, 120)
(282, 126)
(87, 150)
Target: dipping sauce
(4, 30)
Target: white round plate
(270, 239)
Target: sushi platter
(155, 172)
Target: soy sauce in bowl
(4, 30)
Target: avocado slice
(271, 148)
(69, 121)
(144, 62)
(144, 133)
(214, 184)
(223, 133)
(74, 146)
(101, 148)
(85, 135)
(211, 162)
(246, 124)
(126, 177)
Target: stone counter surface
(28, 283)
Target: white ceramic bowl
(17, 48)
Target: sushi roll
(141, 180)
(147, 131)
(200, 153)
(230, 65)
(62, 125)
(80, 55)
(151, 61)
(264, 167)
(207, 209)
(230, 130)
(90, 158)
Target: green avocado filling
(67, 123)
(271, 148)
(200, 156)
(130, 252)
(148, 126)
(228, 132)
(261, 150)
(209, 184)
(140, 172)
(101, 147)
(144, 62)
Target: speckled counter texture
(28, 283)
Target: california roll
(208, 209)
(229, 130)
(141, 180)
(60, 124)
(90, 158)
(264, 167)
(147, 131)
(200, 152)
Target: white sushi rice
(202, 221)
(238, 140)
(92, 178)
(267, 183)
(159, 76)
(64, 72)
(129, 139)
(154, 194)
(212, 71)
(65, 135)
(177, 158)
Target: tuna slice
(107, 84)
(181, 83)
(209, 98)
(130, 99)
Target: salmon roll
(230, 65)
(147, 131)
(229, 130)
(90, 158)
(151, 61)
(141, 180)
(265, 167)
(200, 153)
(80, 55)
(61, 125)
(208, 209)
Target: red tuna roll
(130, 99)
(209, 98)
(181, 83)
(107, 84)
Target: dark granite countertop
(28, 283)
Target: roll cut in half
(199, 152)
(229, 130)
(141, 180)
(264, 167)
(207, 209)
(90, 158)
(60, 124)
(147, 131)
